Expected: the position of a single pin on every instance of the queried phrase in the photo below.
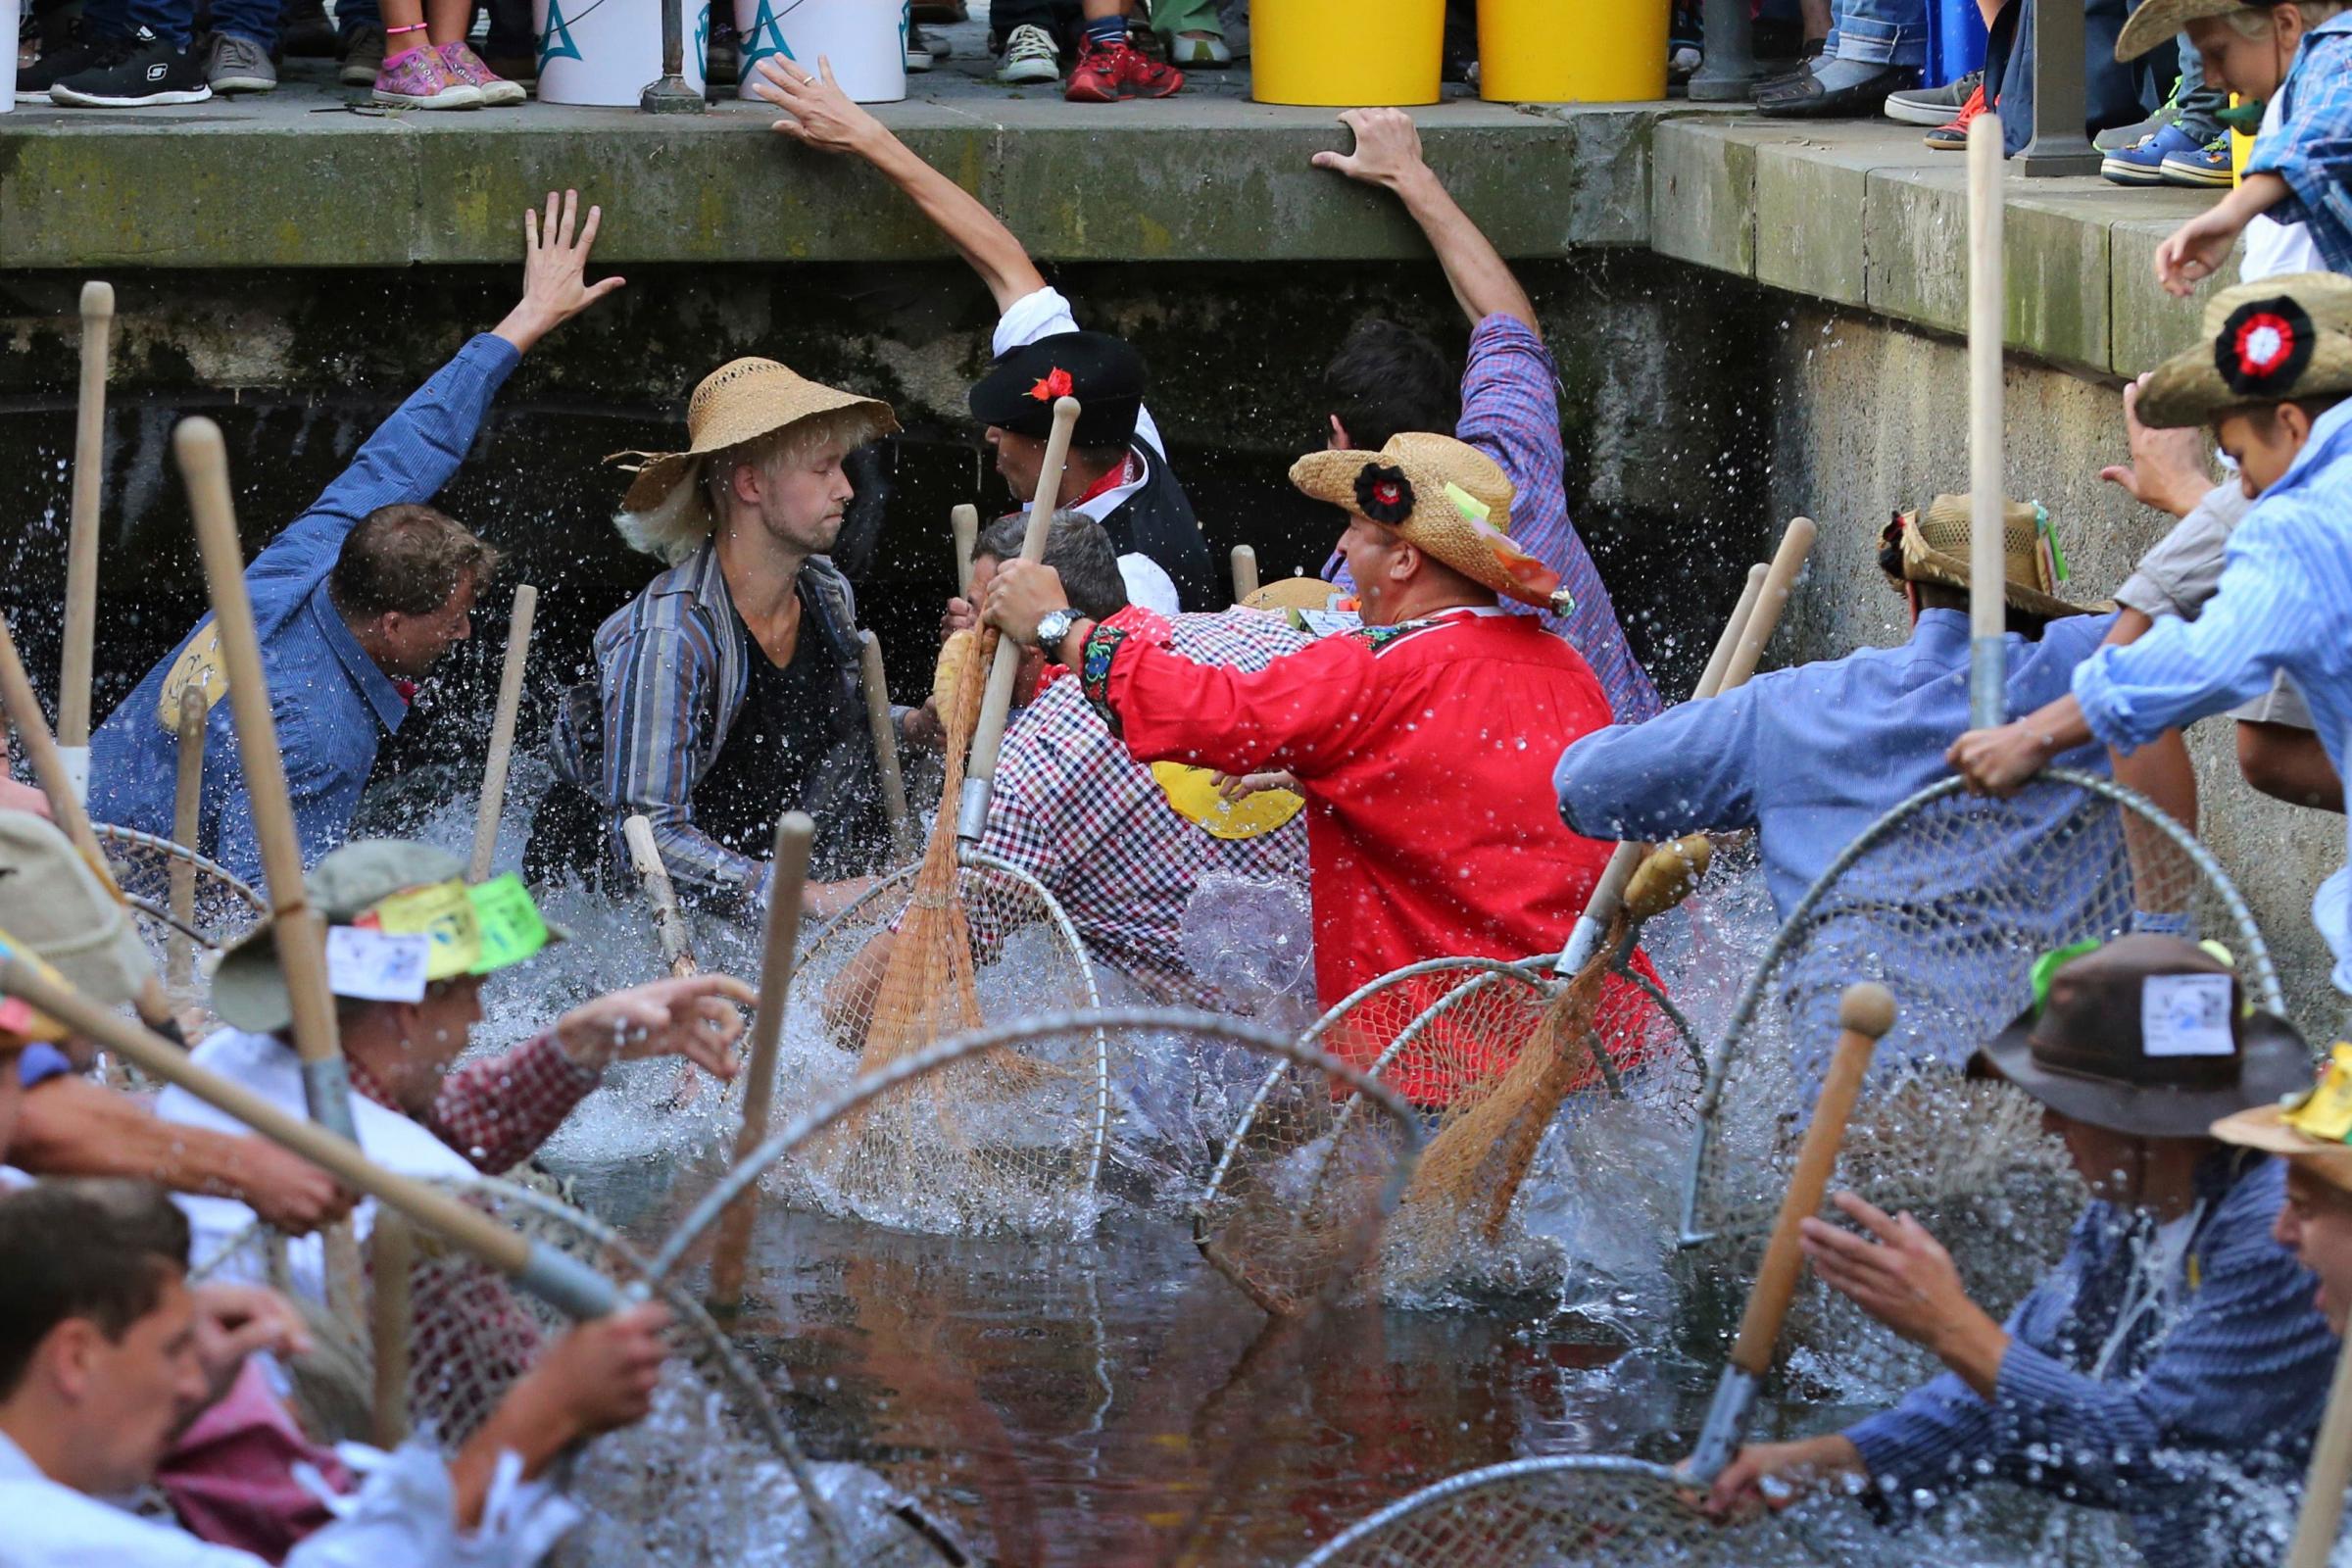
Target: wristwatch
(1052, 626)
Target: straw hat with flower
(2271, 341)
(1443, 496)
(2312, 1128)
(665, 511)
(1935, 550)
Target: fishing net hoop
(2254, 965)
(1512, 1474)
(159, 850)
(896, 888)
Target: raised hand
(693, 1017)
(818, 113)
(1902, 1276)
(1387, 148)
(555, 266)
(2167, 470)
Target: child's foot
(1107, 73)
(416, 78)
(473, 70)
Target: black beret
(1100, 370)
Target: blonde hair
(2254, 21)
(676, 527)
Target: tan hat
(2265, 342)
(2309, 1128)
(54, 904)
(2159, 22)
(1445, 497)
(741, 401)
(1293, 593)
(1935, 546)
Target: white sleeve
(1043, 314)
(406, 1512)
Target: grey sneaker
(1932, 105)
(1029, 56)
(2131, 136)
(363, 55)
(236, 64)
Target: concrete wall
(1870, 417)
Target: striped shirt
(2285, 603)
(2311, 146)
(1511, 412)
(2191, 1404)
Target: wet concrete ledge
(1865, 215)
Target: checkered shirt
(498, 1110)
(1076, 812)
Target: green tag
(2049, 964)
(511, 924)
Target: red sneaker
(1952, 136)
(1107, 74)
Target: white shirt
(2274, 249)
(402, 1517)
(1042, 315)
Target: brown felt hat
(741, 401)
(1936, 549)
(2264, 342)
(2122, 1043)
(1441, 495)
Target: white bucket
(609, 51)
(864, 41)
(8, 60)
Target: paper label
(1329, 622)
(2185, 1015)
(375, 967)
(440, 912)
(511, 928)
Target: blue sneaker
(2142, 163)
(2204, 169)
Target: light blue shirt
(2285, 603)
(1810, 757)
(330, 700)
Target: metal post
(670, 95)
(2058, 145)
(1727, 70)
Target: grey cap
(249, 989)
(54, 904)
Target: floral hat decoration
(1445, 497)
(2267, 342)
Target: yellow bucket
(1547, 52)
(1345, 54)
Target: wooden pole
(1244, 572)
(885, 730)
(669, 921)
(391, 1256)
(996, 704)
(81, 543)
(300, 935)
(502, 733)
(1733, 629)
(966, 521)
(2323, 1511)
(187, 801)
(1987, 619)
(794, 834)
(1771, 598)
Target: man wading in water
(728, 691)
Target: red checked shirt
(1073, 809)
(1424, 752)
(498, 1110)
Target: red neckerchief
(1125, 474)
(408, 690)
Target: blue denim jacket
(331, 703)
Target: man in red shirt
(1419, 741)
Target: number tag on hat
(373, 966)
(441, 912)
(510, 925)
(2185, 1015)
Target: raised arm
(819, 114)
(1387, 154)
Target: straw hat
(741, 401)
(2268, 1128)
(2159, 22)
(2264, 342)
(1293, 593)
(1935, 546)
(1441, 495)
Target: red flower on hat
(1056, 384)
(2265, 346)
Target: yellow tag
(1193, 792)
(198, 665)
(2328, 1115)
(443, 912)
(511, 926)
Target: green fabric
(1172, 16)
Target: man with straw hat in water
(728, 691)
(1811, 756)
(1421, 741)
(2271, 377)
(2171, 1366)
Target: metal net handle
(1437, 1494)
(972, 860)
(946, 1053)
(110, 833)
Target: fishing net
(1442, 1034)
(188, 902)
(712, 1475)
(1947, 901)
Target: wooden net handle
(187, 802)
(1865, 1012)
(1245, 573)
(794, 833)
(81, 541)
(391, 1256)
(1780, 579)
(502, 733)
(966, 522)
(996, 706)
(1666, 876)
(2323, 1511)
(885, 746)
(1720, 660)
(669, 922)
(1985, 328)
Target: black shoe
(134, 73)
(34, 80)
(1835, 88)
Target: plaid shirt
(2312, 147)
(1073, 809)
(1511, 412)
(497, 1111)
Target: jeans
(1879, 32)
(173, 21)
(2198, 104)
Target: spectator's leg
(255, 21)
(1191, 33)
(1875, 47)
(2197, 103)
(1031, 38)
(512, 48)
(172, 20)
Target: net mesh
(714, 1434)
(1443, 1034)
(1947, 901)
(186, 904)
